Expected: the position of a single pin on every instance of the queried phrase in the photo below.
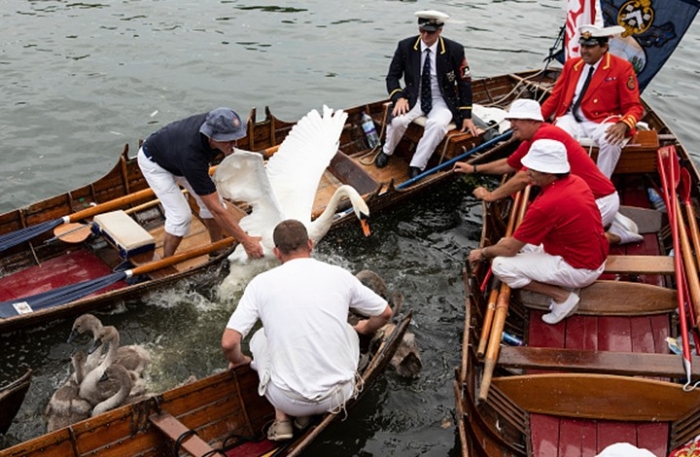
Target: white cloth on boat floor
(625, 450)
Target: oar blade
(9, 240)
(57, 297)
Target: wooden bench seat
(614, 298)
(576, 360)
(174, 429)
(640, 264)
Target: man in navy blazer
(439, 89)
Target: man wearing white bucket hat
(597, 96)
(560, 245)
(437, 84)
(527, 124)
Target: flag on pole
(653, 29)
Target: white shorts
(166, 186)
(533, 264)
(287, 401)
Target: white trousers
(608, 207)
(533, 264)
(166, 186)
(608, 154)
(436, 124)
(287, 401)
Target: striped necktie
(426, 98)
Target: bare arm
(506, 247)
(497, 167)
(513, 185)
(231, 346)
(225, 219)
(374, 323)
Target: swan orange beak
(365, 227)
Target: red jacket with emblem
(613, 91)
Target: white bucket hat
(547, 156)
(525, 109)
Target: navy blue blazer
(454, 77)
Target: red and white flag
(578, 13)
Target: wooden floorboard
(553, 436)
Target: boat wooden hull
(602, 376)
(352, 165)
(222, 411)
(11, 398)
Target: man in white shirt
(306, 353)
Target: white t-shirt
(303, 305)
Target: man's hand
(482, 194)
(245, 361)
(476, 255)
(400, 107)
(616, 133)
(463, 167)
(252, 247)
(468, 124)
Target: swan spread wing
(241, 177)
(296, 169)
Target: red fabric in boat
(72, 268)
(557, 437)
(253, 448)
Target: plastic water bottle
(511, 340)
(656, 200)
(370, 130)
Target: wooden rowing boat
(222, 412)
(43, 264)
(605, 375)
(11, 398)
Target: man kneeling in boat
(560, 245)
(528, 126)
(306, 353)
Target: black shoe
(381, 160)
(413, 172)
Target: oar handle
(109, 205)
(502, 137)
(177, 258)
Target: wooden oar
(667, 166)
(76, 232)
(684, 190)
(12, 239)
(67, 294)
(493, 295)
(449, 163)
(500, 314)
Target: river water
(79, 80)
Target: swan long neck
(124, 380)
(323, 222)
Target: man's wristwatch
(474, 168)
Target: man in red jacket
(605, 108)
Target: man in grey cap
(179, 154)
(437, 85)
(597, 96)
(560, 245)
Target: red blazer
(613, 91)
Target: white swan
(286, 187)
(119, 376)
(132, 357)
(66, 407)
(94, 391)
